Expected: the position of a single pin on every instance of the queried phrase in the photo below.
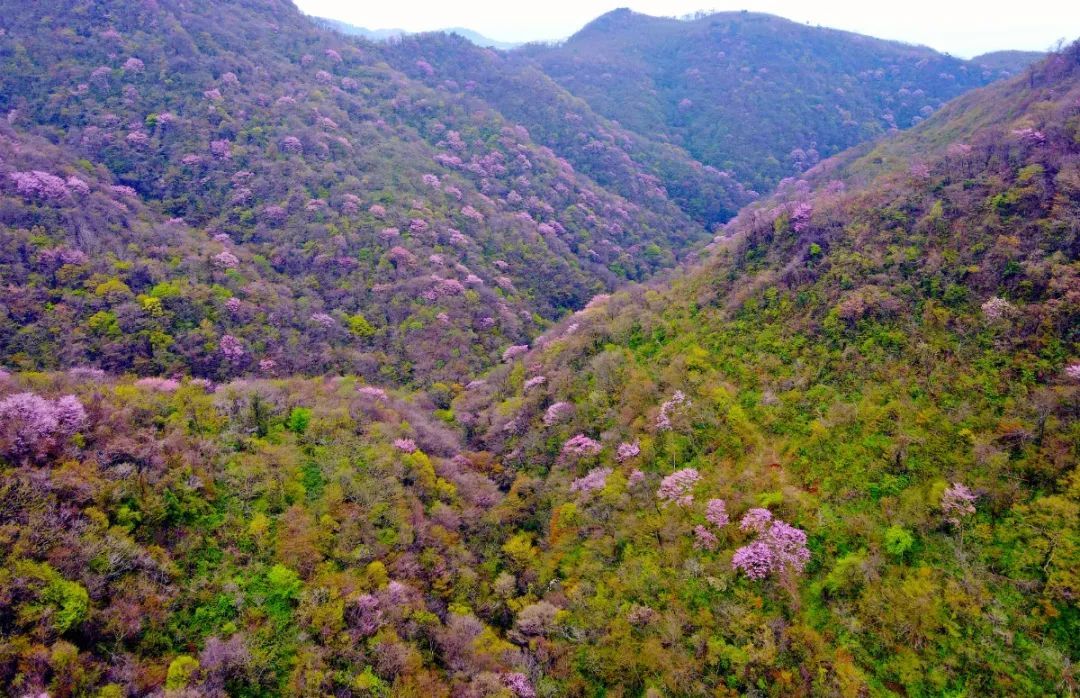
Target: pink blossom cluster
(627, 450)
(225, 260)
(401, 256)
(704, 539)
(716, 513)
(133, 65)
(557, 413)
(323, 320)
(31, 426)
(40, 186)
(663, 420)
(1030, 136)
(291, 144)
(221, 149)
(800, 216)
(519, 685)
(778, 548)
(443, 288)
(677, 487)
(594, 480)
(534, 381)
(636, 478)
(472, 214)
(514, 351)
(231, 348)
(958, 502)
(405, 445)
(158, 384)
(372, 392)
(996, 308)
(430, 180)
(1072, 371)
(580, 446)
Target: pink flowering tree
(958, 503)
(627, 450)
(579, 446)
(779, 549)
(716, 513)
(33, 427)
(663, 420)
(678, 486)
(593, 481)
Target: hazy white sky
(963, 28)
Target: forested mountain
(407, 221)
(375, 209)
(839, 457)
(395, 34)
(754, 94)
(334, 368)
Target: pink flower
(627, 450)
(663, 420)
(405, 445)
(594, 480)
(995, 309)
(226, 260)
(515, 351)
(756, 520)
(291, 144)
(519, 684)
(781, 547)
(534, 381)
(677, 487)
(580, 446)
(636, 478)
(704, 538)
(370, 391)
(716, 513)
(31, 426)
(39, 185)
(958, 502)
(231, 348)
(161, 385)
(557, 413)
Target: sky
(963, 28)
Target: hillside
(401, 212)
(473, 37)
(378, 209)
(890, 368)
(806, 92)
(339, 368)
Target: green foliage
(299, 419)
(180, 672)
(898, 541)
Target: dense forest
(331, 367)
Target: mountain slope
(419, 212)
(892, 367)
(755, 94)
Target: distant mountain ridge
(755, 94)
(387, 34)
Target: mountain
(1008, 62)
(473, 37)
(392, 229)
(883, 358)
(760, 96)
(352, 369)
